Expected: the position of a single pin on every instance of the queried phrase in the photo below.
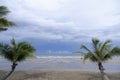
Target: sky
(61, 26)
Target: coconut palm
(16, 52)
(100, 52)
(4, 23)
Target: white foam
(59, 56)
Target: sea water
(61, 63)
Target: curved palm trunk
(101, 70)
(13, 66)
(103, 75)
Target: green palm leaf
(16, 52)
(3, 11)
(4, 23)
(102, 51)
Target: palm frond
(94, 59)
(13, 42)
(3, 28)
(5, 50)
(107, 57)
(89, 56)
(115, 51)
(86, 56)
(85, 48)
(17, 52)
(5, 23)
(95, 43)
(104, 46)
(3, 11)
(100, 52)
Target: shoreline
(61, 63)
(67, 70)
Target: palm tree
(16, 52)
(101, 52)
(4, 23)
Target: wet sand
(59, 75)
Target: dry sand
(59, 75)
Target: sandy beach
(59, 75)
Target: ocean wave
(58, 56)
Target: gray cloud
(65, 20)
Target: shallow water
(61, 63)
